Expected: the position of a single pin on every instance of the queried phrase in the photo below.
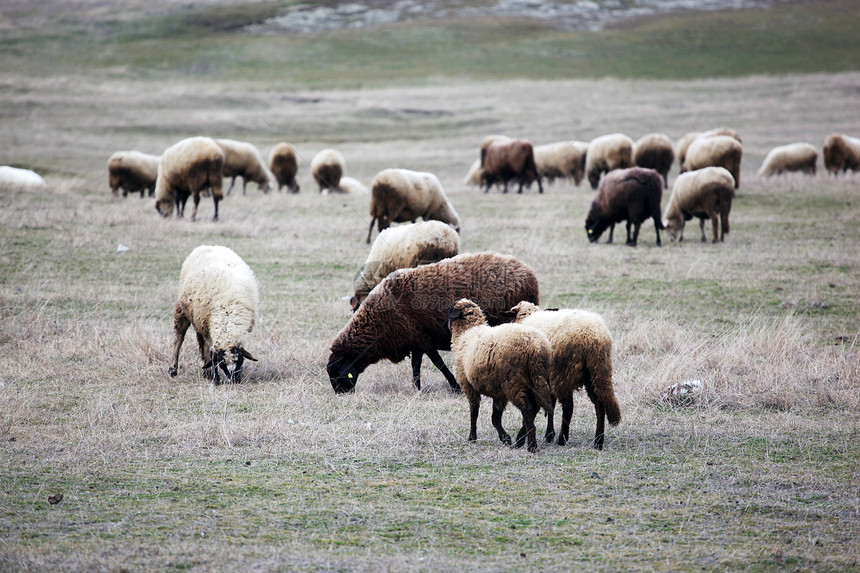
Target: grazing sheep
(475, 175)
(17, 179)
(509, 362)
(133, 171)
(400, 195)
(218, 296)
(284, 166)
(792, 157)
(187, 168)
(581, 357)
(655, 151)
(242, 159)
(564, 160)
(353, 186)
(327, 167)
(706, 193)
(404, 247)
(684, 143)
(504, 160)
(607, 153)
(405, 314)
(841, 153)
(716, 151)
(631, 194)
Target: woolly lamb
(327, 167)
(684, 143)
(17, 179)
(631, 194)
(133, 171)
(581, 357)
(607, 153)
(505, 160)
(563, 160)
(405, 314)
(509, 362)
(404, 247)
(841, 153)
(284, 166)
(655, 151)
(706, 193)
(187, 168)
(242, 159)
(716, 151)
(792, 157)
(218, 296)
(400, 195)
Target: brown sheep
(655, 151)
(284, 165)
(717, 151)
(187, 168)
(327, 167)
(705, 193)
(841, 153)
(506, 160)
(632, 194)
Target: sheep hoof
(562, 440)
(172, 371)
(549, 437)
(505, 439)
(533, 448)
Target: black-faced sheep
(706, 193)
(684, 143)
(17, 179)
(327, 167)
(581, 357)
(607, 153)
(841, 153)
(508, 363)
(405, 314)
(133, 172)
(786, 158)
(218, 296)
(187, 168)
(404, 247)
(562, 160)
(716, 151)
(507, 160)
(243, 159)
(284, 165)
(655, 151)
(631, 194)
(400, 195)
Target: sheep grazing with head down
(505, 160)
(405, 313)
(706, 193)
(631, 194)
(401, 195)
(133, 172)
(607, 153)
(716, 151)
(655, 151)
(787, 158)
(17, 179)
(508, 363)
(404, 247)
(581, 357)
(187, 168)
(218, 296)
(841, 153)
(243, 159)
(327, 167)
(561, 160)
(284, 166)
(475, 175)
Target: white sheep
(353, 186)
(17, 179)
(581, 357)
(606, 153)
(792, 157)
(716, 151)
(563, 160)
(509, 362)
(655, 151)
(684, 142)
(841, 153)
(133, 171)
(218, 295)
(243, 159)
(327, 167)
(404, 247)
(187, 168)
(284, 165)
(400, 195)
(706, 193)
(474, 177)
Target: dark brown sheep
(631, 194)
(284, 165)
(841, 153)
(655, 151)
(506, 160)
(405, 314)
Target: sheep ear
(246, 354)
(455, 313)
(353, 302)
(551, 309)
(510, 314)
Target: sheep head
(464, 314)
(230, 361)
(342, 372)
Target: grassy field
(279, 473)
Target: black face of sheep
(342, 373)
(594, 229)
(230, 362)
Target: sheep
(218, 295)
(631, 194)
(655, 151)
(405, 313)
(404, 247)
(17, 179)
(841, 153)
(684, 143)
(607, 153)
(792, 157)
(187, 168)
(504, 160)
(581, 357)
(508, 362)
(400, 195)
(327, 167)
(133, 171)
(716, 151)
(353, 186)
(705, 193)
(243, 159)
(474, 176)
(284, 166)
(565, 159)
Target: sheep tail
(542, 393)
(601, 389)
(370, 230)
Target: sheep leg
(702, 227)
(244, 185)
(216, 199)
(499, 408)
(528, 431)
(566, 414)
(611, 231)
(474, 406)
(416, 368)
(724, 221)
(232, 182)
(549, 436)
(600, 411)
(433, 354)
(370, 230)
(180, 326)
(658, 224)
(196, 203)
(631, 242)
